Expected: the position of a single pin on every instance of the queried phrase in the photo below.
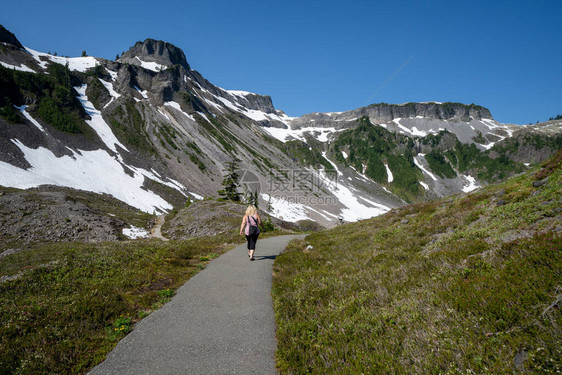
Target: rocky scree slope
(55, 214)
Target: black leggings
(252, 241)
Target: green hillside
(369, 147)
(468, 284)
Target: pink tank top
(254, 221)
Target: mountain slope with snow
(152, 132)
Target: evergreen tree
(84, 53)
(230, 182)
(252, 198)
(117, 57)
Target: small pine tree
(84, 53)
(230, 182)
(117, 57)
(252, 198)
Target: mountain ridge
(167, 133)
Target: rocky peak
(432, 110)
(255, 101)
(156, 52)
(7, 37)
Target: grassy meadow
(468, 284)
(72, 302)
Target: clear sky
(327, 56)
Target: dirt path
(220, 322)
(156, 231)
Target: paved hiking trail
(220, 322)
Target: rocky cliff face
(431, 110)
(7, 37)
(163, 55)
(383, 112)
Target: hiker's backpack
(253, 229)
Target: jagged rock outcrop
(258, 102)
(155, 51)
(384, 112)
(431, 110)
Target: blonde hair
(251, 210)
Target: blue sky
(324, 56)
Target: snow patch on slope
(35, 54)
(176, 106)
(28, 116)
(355, 208)
(154, 66)
(389, 173)
(95, 171)
(97, 122)
(414, 131)
(470, 184)
(254, 114)
(80, 64)
(109, 86)
(135, 232)
(321, 134)
(289, 211)
(22, 68)
(418, 161)
(239, 93)
(142, 92)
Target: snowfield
(22, 68)
(283, 209)
(284, 135)
(357, 207)
(177, 107)
(80, 64)
(95, 171)
(135, 232)
(114, 94)
(239, 93)
(97, 122)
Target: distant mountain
(152, 132)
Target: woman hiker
(250, 226)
